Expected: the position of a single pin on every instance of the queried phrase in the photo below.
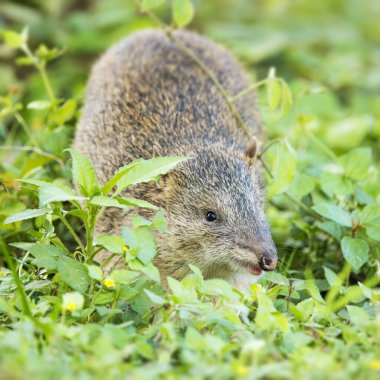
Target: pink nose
(267, 263)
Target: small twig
(249, 89)
(274, 142)
(322, 146)
(211, 75)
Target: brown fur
(145, 96)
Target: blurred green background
(331, 46)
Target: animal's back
(146, 93)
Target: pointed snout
(268, 261)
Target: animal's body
(146, 95)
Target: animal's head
(214, 205)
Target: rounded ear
(251, 150)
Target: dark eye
(211, 216)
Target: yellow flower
(375, 364)
(71, 306)
(241, 370)
(125, 248)
(109, 283)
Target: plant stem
(45, 79)
(274, 142)
(90, 227)
(40, 66)
(249, 89)
(73, 233)
(27, 130)
(19, 285)
(322, 146)
(211, 75)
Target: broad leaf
(370, 215)
(355, 251)
(46, 256)
(74, 274)
(134, 202)
(334, 213)
(284, 169)
(84, 174)
(27, 214)
(113, 244)
(147, 170)
(56, 193)
(39, 105)
(101, 200)
(147, 248)
(95, 272)
(356, 163)
(183, 12)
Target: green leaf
(149, 270)
(367, 292)
(155, 298)
(22, 245)
(84, 174)
(284, 169)
(159, 222)
(357, 315)
(147, 248)
(101, 200)
(335, 184)
(373, 232)
(13, 39)
(118, 175)
(334, 213)
(34, 182)
(331, 277)
(333, 229)
(95, 272)
(134, 202)
(46, 256)
(122, 276)
(304, 308)
(25, 61)
(356, 163)
(183, 12)
(147, 170)
(355, 251)
(301, 185)
(64, 113)
(276, 278)
(147, 5)
(286, 99)
(56, 193)
(39, 105)
(114, 244)
(140, 221)
(27, 214)
(74, 274)
(274, 94)
(370, 215)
